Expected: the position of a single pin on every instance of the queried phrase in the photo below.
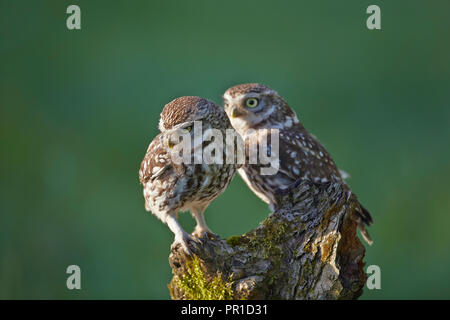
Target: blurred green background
(79, 108)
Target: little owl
(171, 186)
(254, 109)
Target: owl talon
(188, 244)
(202, 233)
(205, 235)
(213, 236)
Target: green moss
(195, 286)
(234, 241)
(274, 233)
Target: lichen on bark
(306, 249)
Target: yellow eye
(188, 129)
(252, 102)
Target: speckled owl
(171, 186)
(255, 108)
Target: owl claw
(200, 234)
(187, 243)
(209, 235)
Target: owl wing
(302, 156)
(156, 161)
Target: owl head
(255, 106)
(184, 111)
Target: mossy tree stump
(307, 249)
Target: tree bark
(306, 249)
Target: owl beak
(235, 112)
(170, 144)
(172, 137)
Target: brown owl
(253, 109)
(173, 186)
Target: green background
(79, 108)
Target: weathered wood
(307, 249)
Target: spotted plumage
(171, 186)
(254, 110)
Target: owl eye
(251, 102)
(189, 128)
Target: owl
(171, 185)
(254, 110)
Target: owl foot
(187, 243)
(204, 233)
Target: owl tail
(363, 218)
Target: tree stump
(306, 249)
